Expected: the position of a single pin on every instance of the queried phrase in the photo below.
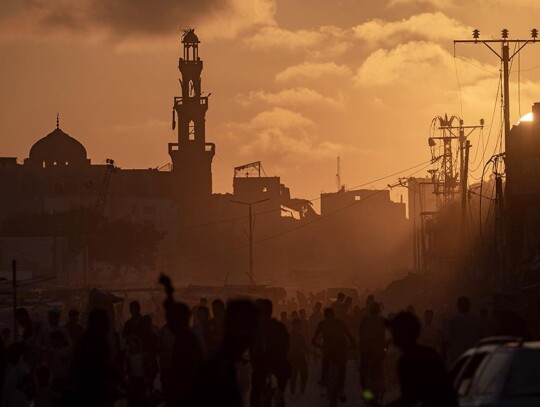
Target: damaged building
(207, 237)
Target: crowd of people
(236, 354)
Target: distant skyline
(294, 83)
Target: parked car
(498, 372)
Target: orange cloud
(282, 134)
(328, 41)
(433, 3)
(290, 97)
(312, 70)
(426, 26)
(416, 64)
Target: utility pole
(250, 204)
(505, 57)
(14, 286)
(464, 188)
(447, 180)
(447, 177)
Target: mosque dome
(58, 149)
(190, 37)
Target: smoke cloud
(128, 18)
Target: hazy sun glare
(526, 118)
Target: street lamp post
(250, 204)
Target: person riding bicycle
(331, 337)
(269, 355)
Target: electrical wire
(300, 226)
(476, 66)
(499, 89)
(459, 85)
(429, 162)
(519, 83)
(480, 204)
(530, 69)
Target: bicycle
(272, 396)
(334, 383)
(332, 387)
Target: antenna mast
(338, 174)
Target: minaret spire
(192, 155)
(57, 121)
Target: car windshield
(524, 377)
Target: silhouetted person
(294, 317)
(73, 328)
(285, 320)
(139, 371)
(334, 335)
(133, 325)
(364, 312)
(391, 377)
(423, 379)
(201, 327)
(337, 306)
(58, 358)
(150, 347)
(356, 318)
(93, 379)
(430, 334)
(315, 317)
(302, 300)
(371, 343)
(462, 331)
(18, 384)
(3, 348)
(293, 306)
(220, 381)
(269, 354)
(23, 319)
(45, 396)
(298, 357)
(203, 302)
(178, 377)
(346, 308)
(304, 323)
(216, 324)
(30, 336)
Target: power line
(217, 222)
(476, 66)
(490, 125)
(459, 86)
(304, 224)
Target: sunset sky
(294, 83)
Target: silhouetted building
(207, 235)
(367, 233)
(422, 202)
(522, 192)
(58, 177)
(192, 155)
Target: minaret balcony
(179, 100)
